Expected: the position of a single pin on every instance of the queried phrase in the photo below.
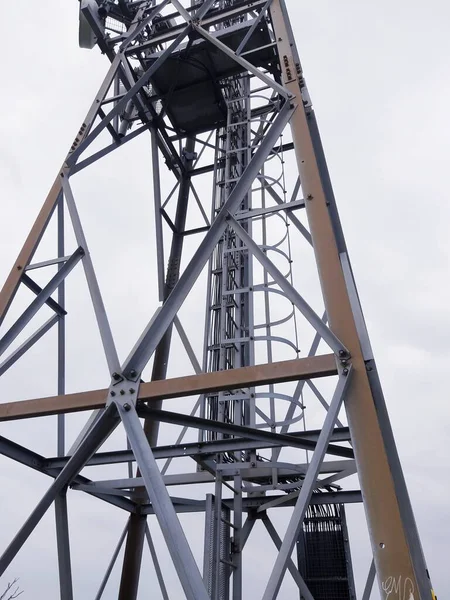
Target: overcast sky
(378, 77)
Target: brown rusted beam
(395, 542)
(10, 286)
(289, 370)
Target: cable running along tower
(217, 88)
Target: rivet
(126, 407)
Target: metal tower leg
(111, 564)
(396, 546)
(177, 544)
(129, 581)
(62, 537)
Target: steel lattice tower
(218, 88)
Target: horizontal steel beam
(238, 430)
(284, 474)
(252, 503)
(39, 463)
(291, 370)
(247, 472)
(340, 434)
(258, 212)
(23, 455)
(210, 168)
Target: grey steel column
(129, 582)
(61, 329)
(136, 528)
(62, 539)
(251, 103)
(173, 273)
(172, 531)
(61, 517)
(91, 279)
(237, 541)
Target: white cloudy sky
(378, 76)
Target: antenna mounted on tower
(87, 37)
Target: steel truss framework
(240, 64)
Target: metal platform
(190, 81)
